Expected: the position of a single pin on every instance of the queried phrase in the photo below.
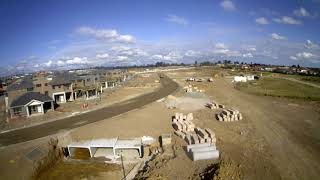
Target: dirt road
(289, 129)
(167, 87)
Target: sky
(42, 35)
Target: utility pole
(124, 173)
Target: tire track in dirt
(291, 157)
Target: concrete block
(177, 126)
(240, 116)
(180, 134)
(202, 149)
(202, 133)
(226, 112)
(190, 126)
(211, 134)
(213, 140)
(189, 117)
(221, 106)
(201, 140)
(205, 155)
(184, 126)
(177, 115)
(195, 139)
(184, 117)
(187, 138)
(189, 147)
(181, 116)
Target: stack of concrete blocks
(229, 115)
(185, 129)
(215, 105)
(205, 135)
(188, 88)
(203, 151)
(183, 124)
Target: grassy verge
(280, 88)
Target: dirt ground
(277, 139)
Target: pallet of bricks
(229, 115)
(201, 142)
(214, 105)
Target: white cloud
(128, 51)
(171, 56)
(60, 63)
(122, 58)
(48, 64)
(177, 20)
(228, 5)
(277, 36)
(120, 48)
(77, 60)
(157, 57)
(220, 46)
(102, 56)
(191, 53)
(301, 12)
(287, 20)
(305, 55)
(110, 35)
(247, 55)
(222, 49)
(262, 21)
(293, 57)
(311, 45)
(251, 49)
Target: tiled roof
(29, 96)
(64, 78)
(24, 84)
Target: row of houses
(38, 93)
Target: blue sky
(57, 34)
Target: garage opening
(79, 153)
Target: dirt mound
(225, 169)
(144, 80)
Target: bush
(54, 155)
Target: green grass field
(277, 87)
(311, 79)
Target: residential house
(30, 103)
(62, 87)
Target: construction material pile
(229, 115)
(203, 151)
(189, 88)
(201, 142)
(214, 105)
(183, 124)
